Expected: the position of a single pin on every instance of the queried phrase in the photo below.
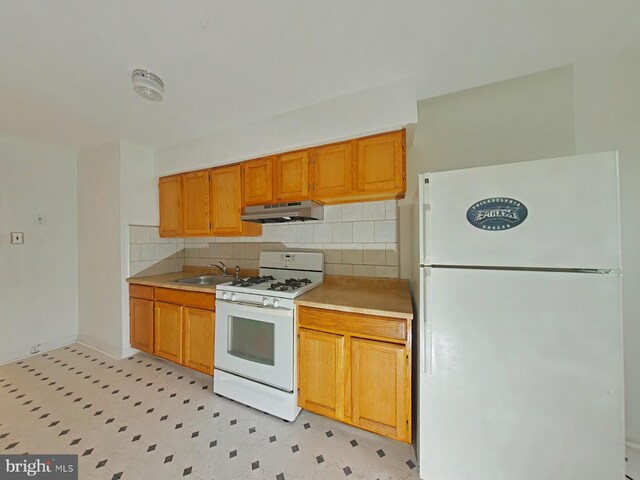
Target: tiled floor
(145, 418)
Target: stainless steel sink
(205, 279)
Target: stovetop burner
(251, 281)
(290, 284)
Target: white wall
(116, 186)
(607, 106)
(38, 280)
(139, 185)
(99, 246)
(376, 110)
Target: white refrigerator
(519, 324)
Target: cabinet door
(170, 193)
(195, 203)
(226, 200)
(321, 372)
(379, 387)
(141, 324)
(292, 176)
(198, 339)
(381, 163)
(333, 170)
(258, 181)
(168, 331)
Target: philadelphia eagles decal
(497, 214)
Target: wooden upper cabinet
(226, 203)
(333, 170)
(292, 176)
(210, 202)
(321, 372)
(198, 339)
(195, 203)
(379, 388)
(170, 196)
(168, 331)
(381, 165)
(258, 181)
(226, 200)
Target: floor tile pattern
(142, 417)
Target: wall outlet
(36, 348)
(17, 238)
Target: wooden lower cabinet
(177, 325)
(321, 372)
(198, 339)
(168, 331)
(378, 387)
(141, 324)
(365, 382)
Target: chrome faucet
(237, 271)
(222, 267)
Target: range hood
(284, 212)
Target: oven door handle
(248, 307)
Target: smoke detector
(147, 85)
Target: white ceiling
(66, 64)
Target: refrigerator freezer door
(527, 377)
(571, 214)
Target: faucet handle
(237, 271)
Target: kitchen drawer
(206, 301)
(141, 291)
(368, 326)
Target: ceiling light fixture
(148, 85)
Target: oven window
(251, 340)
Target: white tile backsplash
(392, 254)
(342, 232)
(363, 270)
(374, 211)
(322, 232)
(134, 252)
(332, 252)
(151, 255)
(304, 233)
(352, 212)
(374, 254)
(357, 239)
(288, 233)
(391, 209)
(332, 213)
(363, 232)
(342, 269)
(386, 231)
(352, 253)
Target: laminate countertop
(166, 281)
(369, 296)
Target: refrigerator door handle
(426, 340)
(424, 220)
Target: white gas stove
(255, 346)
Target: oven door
(256, 343)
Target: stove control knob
(225, 296)
(265, 301)
(234, 297)
(276, 304)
